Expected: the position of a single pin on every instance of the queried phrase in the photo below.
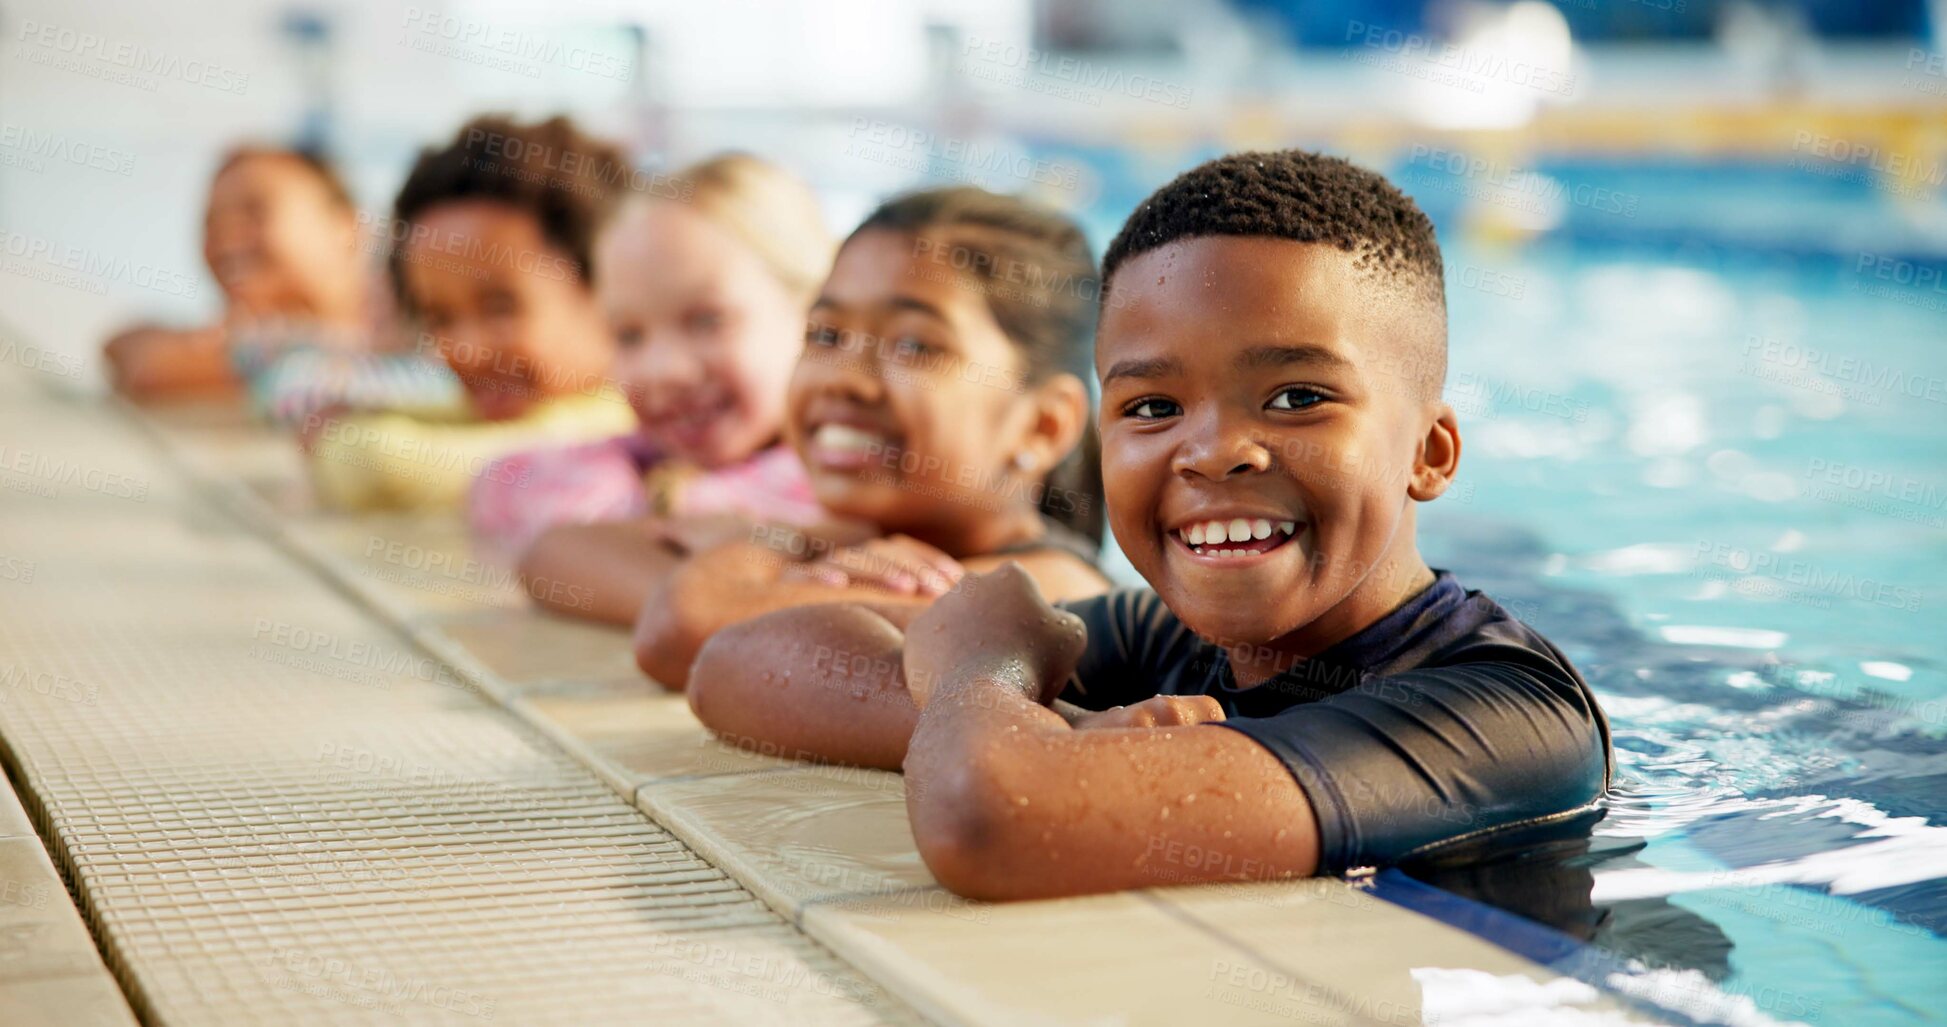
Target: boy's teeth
(1215, 533)
(846, 437)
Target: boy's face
(510, 313)
(1259, 383)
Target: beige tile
(527, 647)
(797, 835)
(13, 815)
(632, 732)
(82, 1000)
(41, 934)
(1332, 931)
(1110, 959)
(410, 568)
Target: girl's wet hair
(1038, 276)
(566, 179)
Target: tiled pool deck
(457, 809)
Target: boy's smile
(1270, 409)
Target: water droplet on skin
(1190, 798)
(1166, 812)
(1020, 800)
(767, 677)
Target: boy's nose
(1220, 452)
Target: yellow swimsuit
(397, 461)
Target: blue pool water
(1741, 544)
(1706, 452)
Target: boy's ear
(1438, 458)
(1060, 413)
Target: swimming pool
(1704, 454)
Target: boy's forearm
(1008, 801)
(608, 570)
(817, 682)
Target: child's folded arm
(718, 587)
(602, 571)
(813, 682)
(1009, 801)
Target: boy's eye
(702, 322)
(1295, 397)
(821, 335)
(628, 338)
(1151, 409)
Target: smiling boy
(1298, 692)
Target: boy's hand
(1155, 711)
(988, 620)
(897, 563)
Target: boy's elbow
(971, 830)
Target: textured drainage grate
(260, 831)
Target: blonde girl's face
(908, 403)
(705, 333)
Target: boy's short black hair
(1296, 195)
(566, 179)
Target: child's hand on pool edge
(988, 624)
(896, 563)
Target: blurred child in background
(705, 282)
(493, 239)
